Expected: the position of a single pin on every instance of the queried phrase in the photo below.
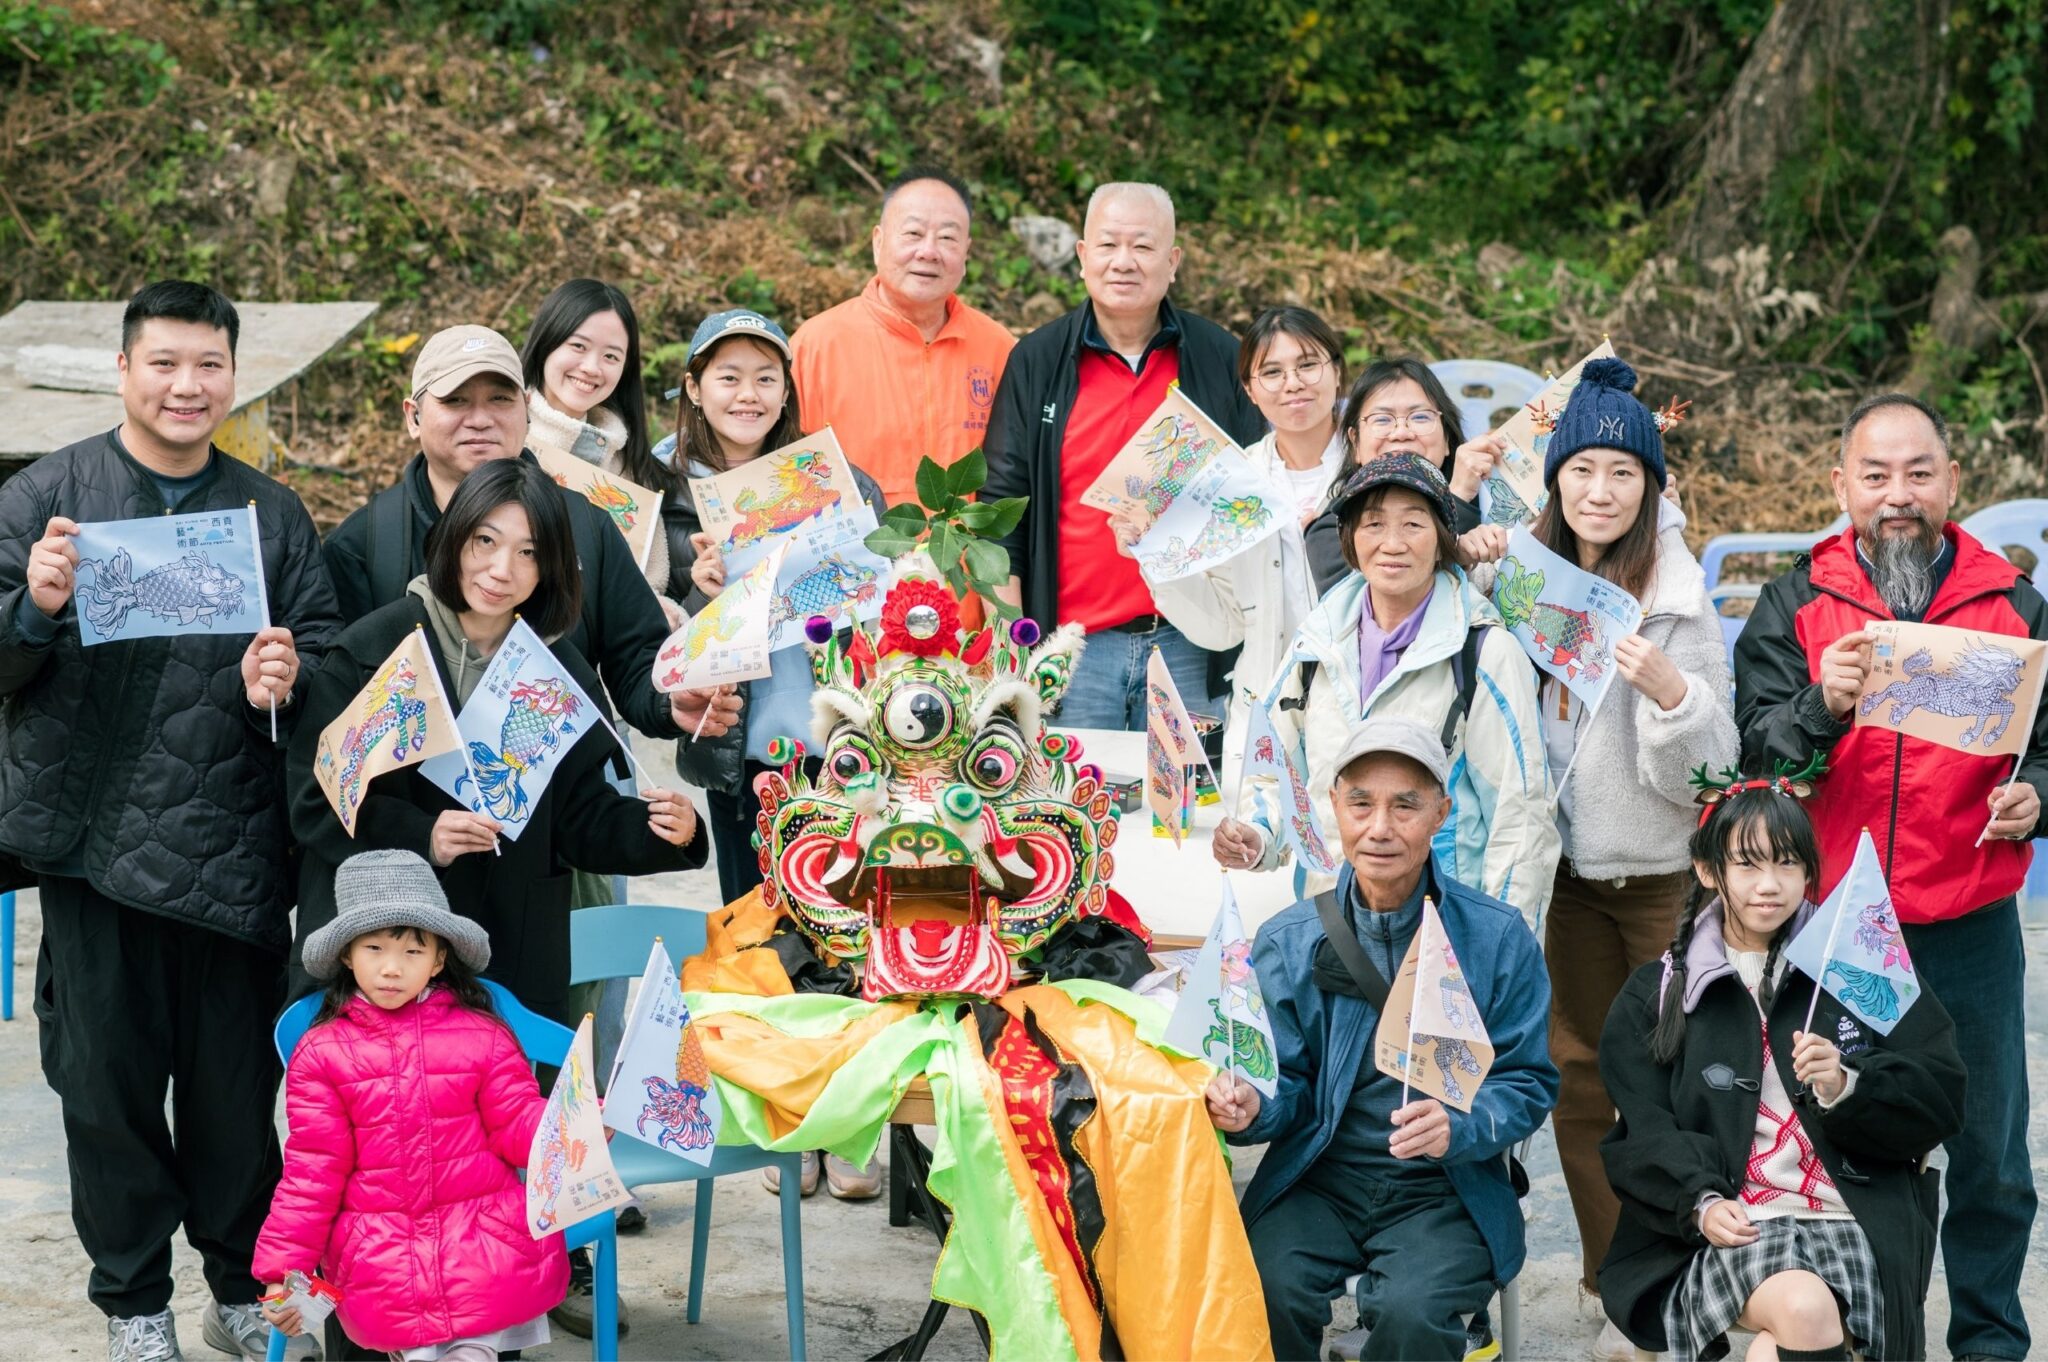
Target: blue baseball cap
(737, 321)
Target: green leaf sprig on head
(958, 534)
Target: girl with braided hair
(1771, 1177)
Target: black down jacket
(144, 757)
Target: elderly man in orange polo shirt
(906, 369)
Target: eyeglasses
(1422, 420)
(1273, 378)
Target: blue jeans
(1108, 689)
(1976, 965)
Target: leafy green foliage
(957, 533)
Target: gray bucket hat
(375, 891)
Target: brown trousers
(1595, 935)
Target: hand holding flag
(1221, 1014)
(1431, 1035)
(1854, 949)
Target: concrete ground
(865, 1284)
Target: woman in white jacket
(1292, 365)
(1626, 810)
(1435, 652)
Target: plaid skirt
(1720, 1281)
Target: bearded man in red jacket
(1798, 668)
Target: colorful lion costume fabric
(937, 860)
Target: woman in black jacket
(1769, 1177)
(501, 550)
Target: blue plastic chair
(2014, 524)
(612, 943)
(545, 1042)
(1481, 388)
(7, 954)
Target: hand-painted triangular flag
(569, 1173)
(636, 510)
(668, 1099)
(729, 639)
(525, 713)
(1853, 946)
(399, 718)
(1431, 1035)
(1221, 1014)
(1266, 755)
(1566, 619)
(1171, 746)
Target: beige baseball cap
(1401, 736)
(451, 358)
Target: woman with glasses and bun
(1291, 365)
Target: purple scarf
(1379, 652)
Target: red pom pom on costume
(908, 628)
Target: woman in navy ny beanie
(1625, 871)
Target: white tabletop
(1176, 890)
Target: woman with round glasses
(1398, 407)
(1291, 364)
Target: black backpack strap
(389, 555)
(1465, 676)
(1299, 700)
(1370, 981)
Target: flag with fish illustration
(523, 715)
(1566, 619)
(569, 1172)
(636, 510)
(660, 1091)
(1190, 489)
(1173, 745)
(1221, 1014)
(829, 571)
(1962, 688)
(165, 575)
(1431, 1035)
(1514, 494)
(399, 718)
(1268, 758)
(728, 640)
(749, 507)
(1854, 948)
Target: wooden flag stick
(1827, 953)
(2002, 791)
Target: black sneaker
(578, 1311)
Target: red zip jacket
(1923, 803)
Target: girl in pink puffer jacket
(411, 1111)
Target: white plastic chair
(2014, 524)
(1485, 391)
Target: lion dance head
(947, 833)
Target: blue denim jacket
(1322, 1038)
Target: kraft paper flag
(1267, 756)
(523, 715)
(399, 718)
(1975, 692)
(173, 574)
(667, 1099)
(728, 640)
(1431, 1036)
(1566, 619)
(1188, 484)
(636, 510)
(569, 1173)
(1513, 494)
(748, 507)
(1854, 949)
(829, 571)
(1172, 746)
(1221, 1014)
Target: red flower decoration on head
(907, 628)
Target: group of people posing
(1728, 1164)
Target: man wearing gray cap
(468, 405)
(1419, 1198)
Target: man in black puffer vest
(141, 787)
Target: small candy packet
(313, 1298)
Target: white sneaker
(143, 1338)
(1612, 1345)
(241, 1331)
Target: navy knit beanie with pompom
(1603, 413)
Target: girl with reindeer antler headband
(1770, 1177)
(1621, 812)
